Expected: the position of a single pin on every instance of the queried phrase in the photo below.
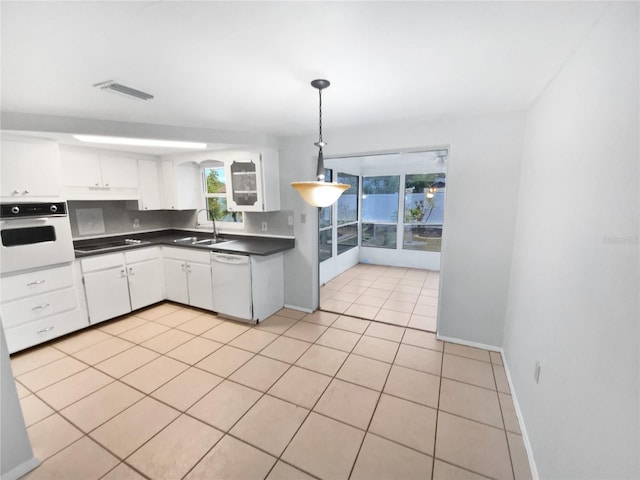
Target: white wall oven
(34, 235)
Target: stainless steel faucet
(198, 214)
(213, 221)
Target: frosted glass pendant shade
(320, 194)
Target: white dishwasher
(232, 285)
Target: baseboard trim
(467, 343)
(523, 429)
(20, 470)
(514, 397)
(300, 309)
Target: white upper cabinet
(80, 169)
(149, 187)
(181, 185)
(120, 172)
(90, 175)
(29, 168)
(252, 179)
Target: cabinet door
(107, 294)
(169, 201)
(200, 285)
(181, 185)
(30, 168)
(149, 187)
(244, 176)
(10, 169)
(175, 280)
(80, 169)
(119, 172)
(146, 283)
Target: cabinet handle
(35, 282)
(40, 307)
(123, 273)
(39, 332)
(15, 192)
(97, 184)
(26, 192)
(106, 184)
(183, 265)
(131, 272)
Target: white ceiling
(247, 65)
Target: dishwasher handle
(230, 259)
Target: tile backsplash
(112, 217)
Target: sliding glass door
(338, 229)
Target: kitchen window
(215, 195)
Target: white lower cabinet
(175, 280)
(188, 277)
(118, 283)
(107, 292)
(40, 305)
(146, 285)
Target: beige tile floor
(400, 296)
(172, 392)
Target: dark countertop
(239, 244)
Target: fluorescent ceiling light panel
(124, 90)
(140, 142)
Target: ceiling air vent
(123, 89)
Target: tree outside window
(215, 192)
(423, 211)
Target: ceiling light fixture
(123, 89)
(140, 142)
(320, 193)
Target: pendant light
(320, 193)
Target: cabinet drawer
(142, 254)
(37, 307)
(33, 283)
(102, 262)
(188, 254)
(33, 333)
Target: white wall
(16, 455)
(573, 298)
(297, 162)
(482, 176)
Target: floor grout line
(290, 363)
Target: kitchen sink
(200, 241)
(207, 242)
(186, 240)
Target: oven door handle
(8, 222)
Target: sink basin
(210, 241)
(186, 240)
(200, 241)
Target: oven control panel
(19, 210)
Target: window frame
(437, 186)
(206, 196)
(390, 223)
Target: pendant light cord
(320, 116)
